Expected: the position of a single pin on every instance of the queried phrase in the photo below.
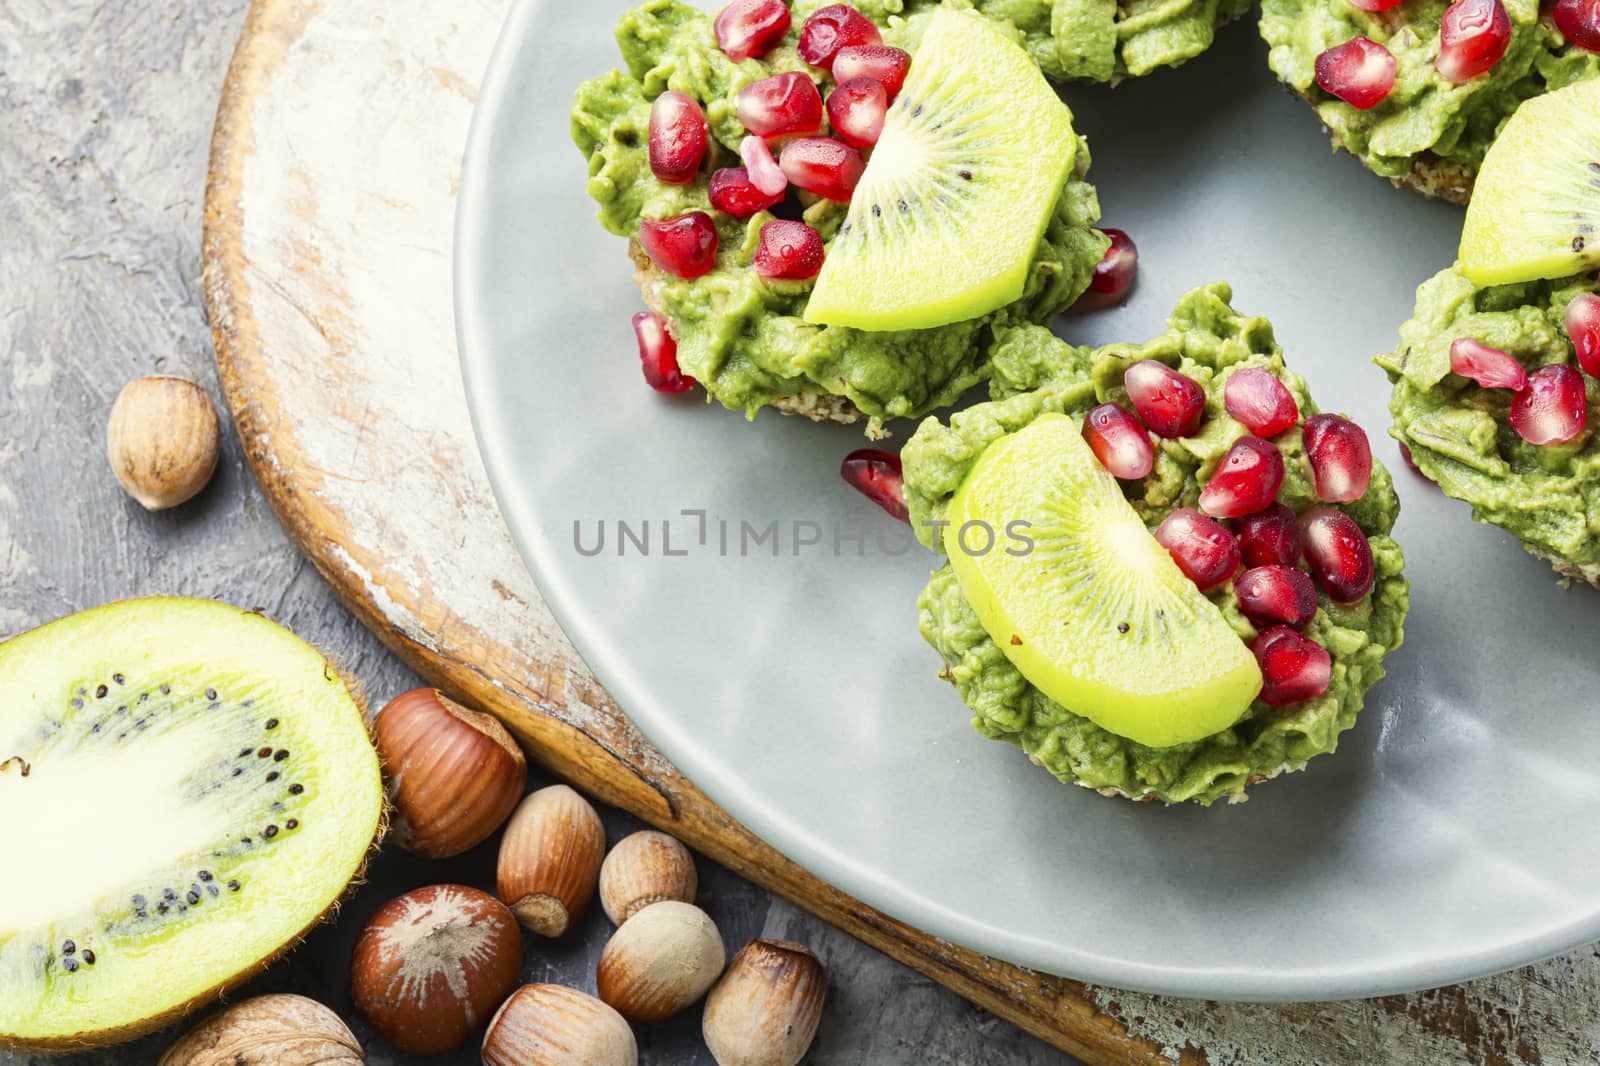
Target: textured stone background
(105, 118)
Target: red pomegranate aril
(1270, 537)
(791, 251)
(1113, 276)
(749, 28)
(733, 193)
(761, 166)
(685, 247)
(1579, 22)
(1202, 547)
(876, 475)
(1277, 596)
(658, 354)
(1583, 326)
(785, 105)
(1246, 481)
(1341, 458)
(832, 28)
(1258, 400)
(1360, 72)
(1170, 403)
(1375, 5)
(1489, 367)
(1340, 557)
(1293, 668)
(677, 138)
(886, 65)
(1473, 37)
(1119, 441)
(1553, 409)
(823, 166)
(1409, 459)
(856, 110)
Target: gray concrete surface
(105, 117)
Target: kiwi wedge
(1535, 212)
(186, 789)
(1096, 614)
(945, 221)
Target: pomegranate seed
(1405, 455)
(823, 166)
(1360, 72)
(1258, 400)
(786, 105)
(1293, 668)
(1113, 276)
(832, 28)
(677, 138)
(685, 247)
(856, 110)
(1170, 403)
(1277, 596)
(1119, 441)
(1339, 554)
(749, 28)
(1375, 5)
(1270, 537)
(1341, 458)
(1202, 547)
(1489, 367)
(876, 475)
(1473, 36)
(1583, 326)
(789, 250)
(1552, 409)
(658, 354)
(1246, 481)
(887, 65)
(1579, 22)
(761, 168)
(733, 193)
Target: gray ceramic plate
(1451, 836)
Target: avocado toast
(1246, 658)
(737, 263)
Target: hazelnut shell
(766, 1008)
(163, 440)
(550, 859)
(276, 1030)
(660, 961)
(552, 1025)
(645, 868)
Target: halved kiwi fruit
(186, 788)
(1535, 211)
(945, 222)
(1096, 615)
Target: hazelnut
(163, 440)
(552, 1025)
(765, 1010)
(433, 964)
(660, 961)
(642, 869)
(550, 859)
(432, 747)
(274, 1030)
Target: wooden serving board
(328, 228)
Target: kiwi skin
(122, 1034)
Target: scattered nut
(766, 1008)
(274, 1030)
(551, 1025)
(660, 961)
(433, 749)
(163, 440)
(550, 859)
(433, 964)
(642, 869)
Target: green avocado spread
(1425, 115)
(1548, 496)
(742, 336)
(1034, 372)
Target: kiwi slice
(185, 790)
(1096, 615)
(1535, 211)
(945, 222)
